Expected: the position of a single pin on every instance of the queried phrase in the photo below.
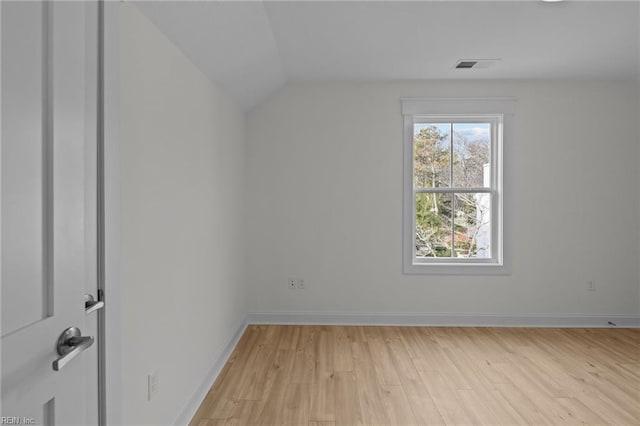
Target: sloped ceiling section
(251, 49)
(231, 42)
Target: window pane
(471, 155)
(431, 155)
(472, 220)
(433, 225)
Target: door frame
(111, 372)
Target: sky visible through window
(471, 131)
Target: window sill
(455, 269)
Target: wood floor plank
(476, 410)
(342, 357)
(499, 405)
(289, 337)
(432, 346)
(371, 402)
(417, 343)
(211, 400)
(348, 411)
(220, 399)
(580, 412)
(482, 392)
(354, 375)
(610, 411)
(323, 355)
(447, 402)
(400, 357)
(422, 405)
(600, 386)
(323, 402)
(212, 422)
(385, 369)
(399, 410)
(240, 414)
(527, 409)
(535, 391)
(269, 408)
(357, 334)
(253, 373)
(296, 406)
(304, 364)
(483, 352)
(633, 370)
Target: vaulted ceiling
(252, 48)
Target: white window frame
(497, 111)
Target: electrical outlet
(153, 384)
(292, 283)
(591, 285)
(300, 283)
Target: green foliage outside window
(450, 224)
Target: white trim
(113, 295)
(445, 319)
(437, 106)
(448, 109)
(196, 399)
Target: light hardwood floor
(335, 376)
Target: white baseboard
(192, 406)
(445, 319)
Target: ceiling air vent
(466, 64)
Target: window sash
(447, 190)
(495, 122)
(452, 259)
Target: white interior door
(48, 223)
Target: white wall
(182, 160)
(324, 201)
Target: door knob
(70, 343)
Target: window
(453, 176)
